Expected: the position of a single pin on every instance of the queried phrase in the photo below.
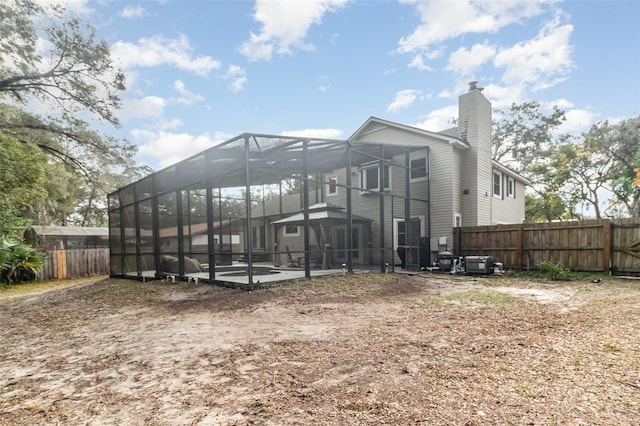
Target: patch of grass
(34, 287)
(485, 297)
(260, 408)
(631, 285)
(554, 272)
(230, 367)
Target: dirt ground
(355, 350)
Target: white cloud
(81, 7)
(441, 21)
(169, 148)
(315, 133)
(542, 61)
(157, 50)
(465, 61)
(133, 12)
(187, 97)
(147, 107)
(502, 97)
(237, 77)
(403, 99)
(438, 120)
(284, 26)
(324, 83)
(564, 104)
(418, 62)
(577, 121)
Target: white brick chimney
(474, 127)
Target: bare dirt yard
(355, 350)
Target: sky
(201, 72)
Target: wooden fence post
(61, 264)
(519, 247)
(606, 246)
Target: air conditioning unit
(479, 264)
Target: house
(389, 195)
(453, 182)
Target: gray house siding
(509, 209)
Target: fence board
(76, 263)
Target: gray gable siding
(508, 209)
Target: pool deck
(283, 274)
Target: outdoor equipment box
(445, 261)
(479, 264)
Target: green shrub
(19, 262)
(554, 271)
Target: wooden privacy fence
(75, 263)
(589, 245)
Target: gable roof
(70, 231)
(369, 127)
(510, 172)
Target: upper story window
(370, 179)
(332, 185)
(497, 184)
(419, 169)
(511, 187)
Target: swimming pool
(242, 271)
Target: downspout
(429, 200)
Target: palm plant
(18, 262)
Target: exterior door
(339, 244)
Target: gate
(625, 248)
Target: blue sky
(200, 72)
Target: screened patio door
(339, 244)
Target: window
(419, 169)
(291, 231)
(332, 185)
(369, 178)
(511, 187)
(457, 220)
(497, 184)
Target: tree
(619, 144)
(538, 209)
(524, 135)
(77, 78)
(580, 175)
(526, 140)
(22, 183)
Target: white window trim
(328, 186)
(493, 184)
(426, 160)
(457, 216)
(363, 185)
(291, 234)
